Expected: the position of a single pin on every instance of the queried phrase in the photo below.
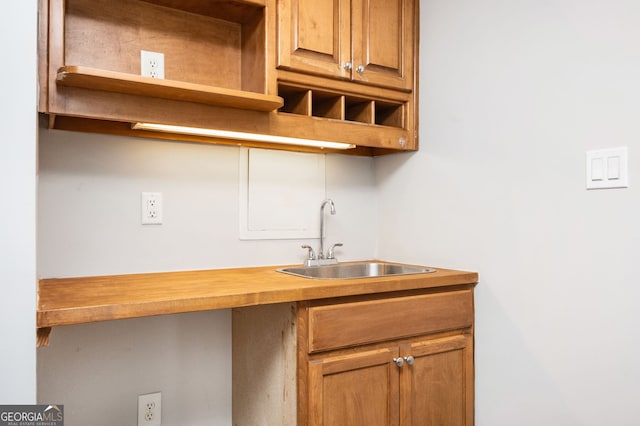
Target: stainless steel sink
(343, 271)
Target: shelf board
(112, 81)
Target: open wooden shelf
(112, 81)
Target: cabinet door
(357, 389)
(383, 42)
(438, 389)
(314, 36)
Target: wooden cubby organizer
(348, 109)
(323, 104)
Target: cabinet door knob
(409, 359)
(348, 65)
(360, 69)
(399, 361)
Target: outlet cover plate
(151, 64)
(150, 409)
(151, 208)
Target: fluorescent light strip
(225, 134)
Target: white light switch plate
(607, 168)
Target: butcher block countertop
(65, 301)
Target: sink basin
(343, 271)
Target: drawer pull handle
(399, 361)
(409, 359)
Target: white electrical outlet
(151, 208)
(150, 409)
(151, 64)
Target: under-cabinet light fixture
(253, 137)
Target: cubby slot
(360, 110)
(327, 105)
(296, 100)
(390, 114)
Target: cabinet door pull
(347, 66)
(409, 359)
(360, 69)
(399, 361)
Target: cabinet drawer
(351, 324)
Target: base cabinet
(426, 383)
(395, 360)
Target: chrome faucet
(333, 212)
(321, 259)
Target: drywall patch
(280, 194)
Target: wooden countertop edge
(66, 301)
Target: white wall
(18, 207)
(512, 95)
(89, 224)
(89, 212)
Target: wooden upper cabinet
(368, 41)
(283, 68)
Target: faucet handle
(311, 254)
(330, 254)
